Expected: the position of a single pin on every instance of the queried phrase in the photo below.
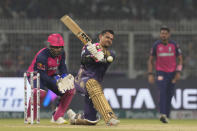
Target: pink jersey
(165, 55)
(45, 62)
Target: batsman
(95, 60)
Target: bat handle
(89, 43)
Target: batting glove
(99, 55)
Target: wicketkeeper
(95, 60)
(50, 63)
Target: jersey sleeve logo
(40, 66)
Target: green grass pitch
(126, 124)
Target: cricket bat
(74, 27)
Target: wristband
(179, 67)
(56, 79)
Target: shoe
(113, 122)
(71, 115)
(164, 119)
(60, 120)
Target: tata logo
(142, 97)
(133, 98)
(185, 98)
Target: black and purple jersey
(90, 68)
(165, 55)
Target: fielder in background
(168, 71)
(50, 63)
(87, 82)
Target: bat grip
(89, 43)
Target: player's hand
(151, 78)
(66, 83)
(177, 77)
(98, 54)
(92, 48)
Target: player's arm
(179, 64)
(151, 65)
(88, 58)
(62, 67)
(150, 69)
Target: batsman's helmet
(55, 40)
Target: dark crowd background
(100, 9)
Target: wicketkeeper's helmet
(55, 40)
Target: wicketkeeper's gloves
(65, 83)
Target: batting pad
(100, 103)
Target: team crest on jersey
(40, 66)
